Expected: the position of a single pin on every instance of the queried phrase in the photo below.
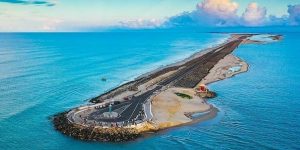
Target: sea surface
(42, 74)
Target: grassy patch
(182, 95)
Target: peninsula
(167, 97)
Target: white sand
(169, 109)
(221, 70)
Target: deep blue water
(45, 73)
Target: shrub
(182, 95)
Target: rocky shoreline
(113, 134)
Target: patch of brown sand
(169, 109)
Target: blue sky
(64, 15)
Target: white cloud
(254, 15)
(214, 13)
(50, 24)
(208, 13)
(141, 23)
(224, 9)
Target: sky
(80, 15)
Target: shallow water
(42, 74)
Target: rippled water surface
(45, 73)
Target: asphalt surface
(188, 77)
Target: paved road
(189, 76)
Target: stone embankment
(90, 133)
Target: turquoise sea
(42, 74)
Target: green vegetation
(182, 95)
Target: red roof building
(201, 88)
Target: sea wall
(112, 134)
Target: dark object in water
(103, 79)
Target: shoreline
(217, 73)
(184, 74)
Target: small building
(204, 92)
(201, 88)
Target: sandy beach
(169, 110)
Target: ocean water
(45, 73)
